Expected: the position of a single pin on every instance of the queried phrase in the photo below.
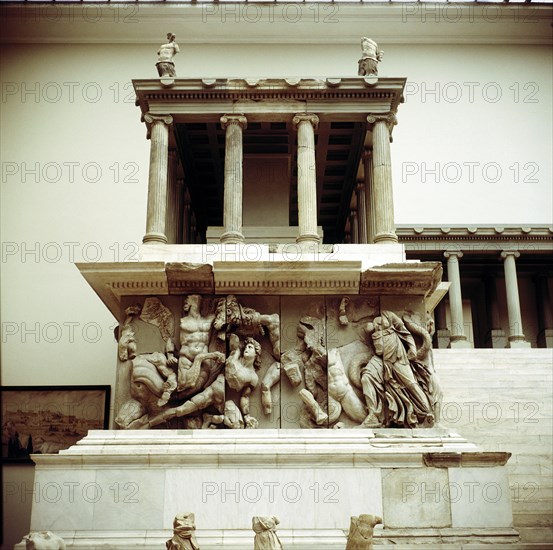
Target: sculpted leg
(269, 380)
(313, 407)
(190, 372)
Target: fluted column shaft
(157, 178)
(361, 212)
(172, 198)
(354, 227)
(382, 174)
(455, 297)
(545, 307)
(370, 204)
(492, 308)
(232, 214)
(545, 312)
(307, 178)
(516, 334)
(186, 233)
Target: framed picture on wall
(47, 419)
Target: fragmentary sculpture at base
(165, 65)
(44, 540)
(361, 530)
(265, 533)
(183, 533)
(220, 368)
(371, 55)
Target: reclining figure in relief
(190, 384)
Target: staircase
(502, 401)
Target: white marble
(414, 498)
(480, 497)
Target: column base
(460, 342)
(308, 238)
(545, 338)
(496, 338)
(232, 237)
(518, 342)
(154, 238)
(385, 238)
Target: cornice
(112, 281)
(186, 95)
(474, 233)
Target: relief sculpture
(353, 366)
(216, 351)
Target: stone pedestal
(126, 487)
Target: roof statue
(165, 65)
(370, 57)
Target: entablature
(269, 99)
(481, 239)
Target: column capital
(506, 253)
(388, 118)
(305, 117)
(152, 119)
(453, 253)
(227, 120)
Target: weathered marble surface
(44, 540)
(361, 529)
(276, 361)
(183, 538)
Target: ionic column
(516, 336)
(382, 173)
(443, 335)
(370, 204)
(307, 178)
(172, 198)
(545, 312)
(458, 337)
(496, 335)
(179, 210)
(361, 212)
(232, 214)
(354, 227)
(186, 219)
(157, 178)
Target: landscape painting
(47, 419)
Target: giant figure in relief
(205, 376)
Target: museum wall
(75, 165)
(75, 168)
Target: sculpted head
(252, 350)
(232, 310)
(170, 37)
(192, 301)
